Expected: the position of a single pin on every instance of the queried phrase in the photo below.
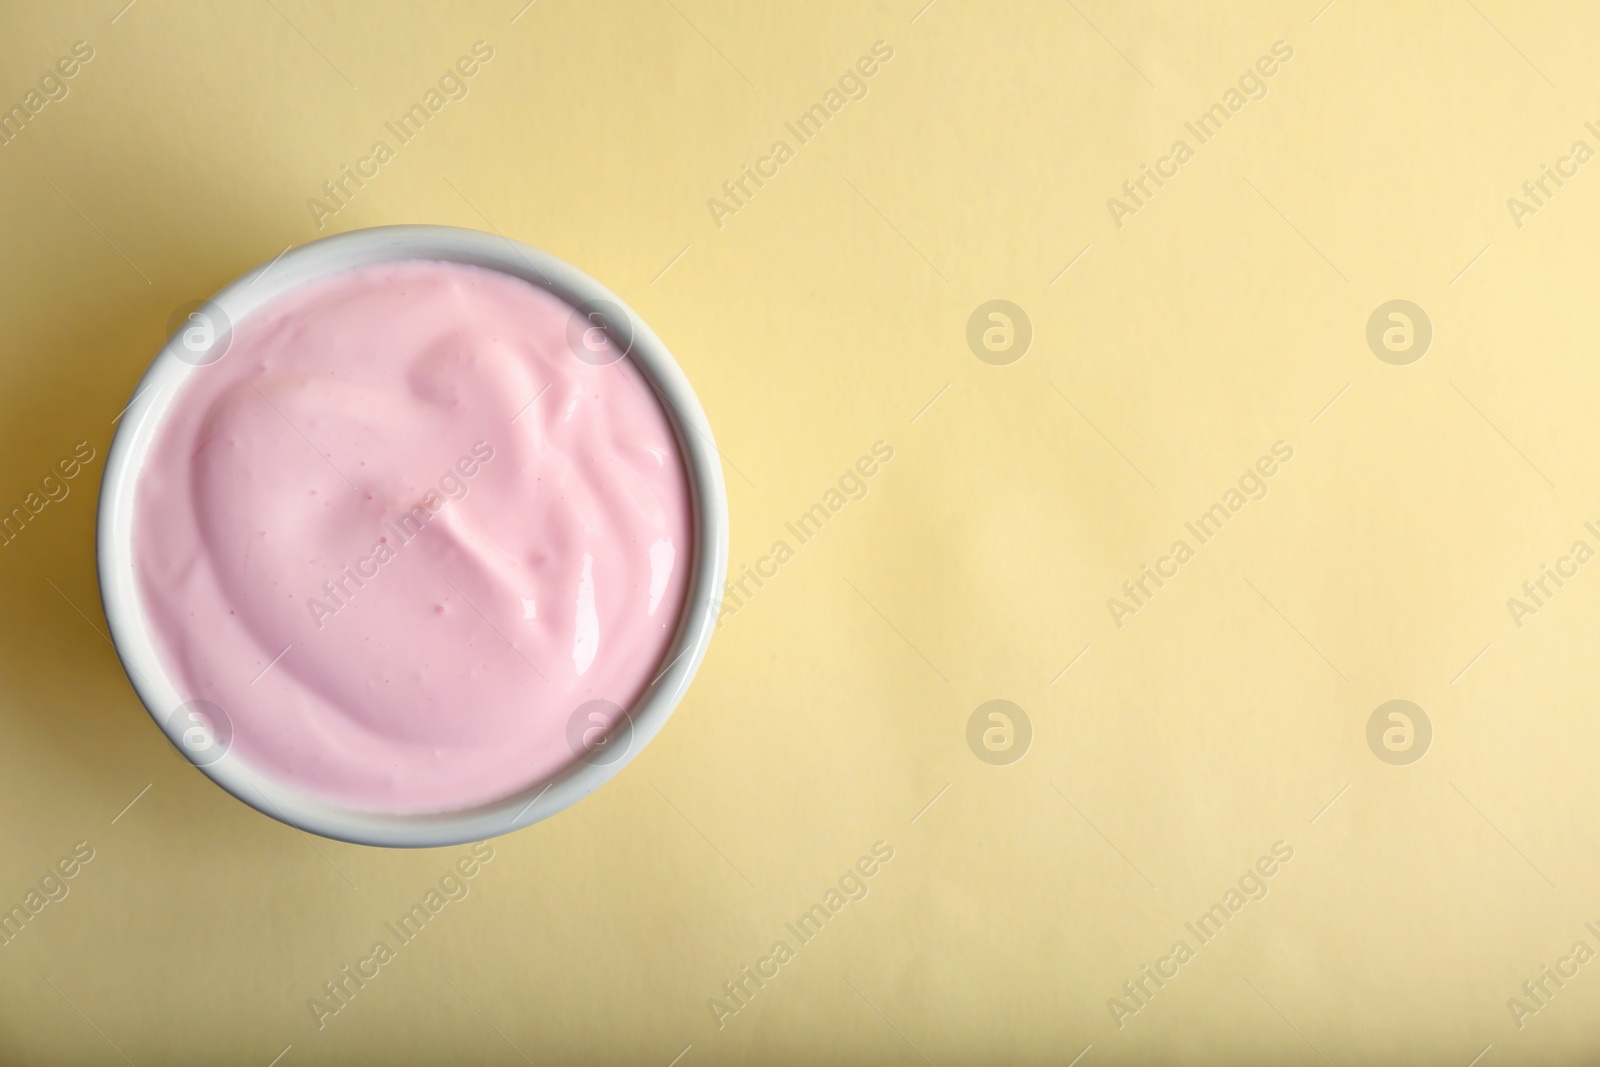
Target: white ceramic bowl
(124, 608)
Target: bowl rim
(142, 420)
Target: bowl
(203, 337)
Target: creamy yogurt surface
(405, 538)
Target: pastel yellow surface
(1173, 345)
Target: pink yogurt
(400, 535)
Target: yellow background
(822, 317)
